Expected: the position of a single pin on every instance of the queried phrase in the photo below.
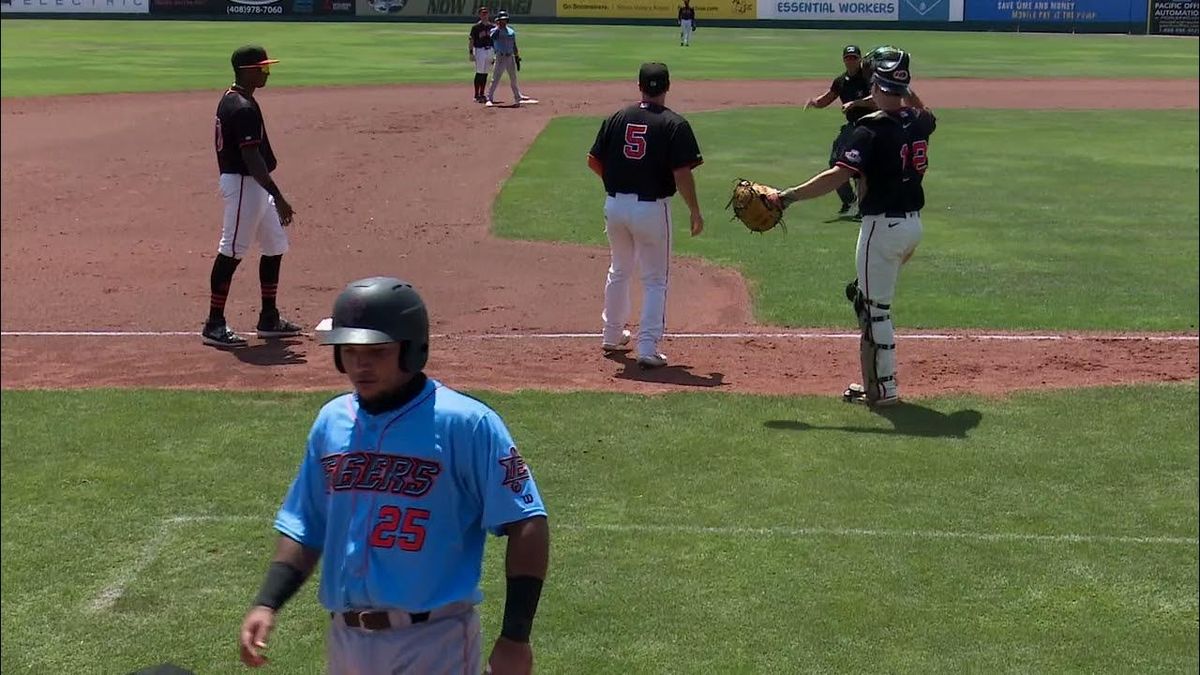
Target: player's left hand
(510, 658)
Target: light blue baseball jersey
(504, 40)
(400, 503)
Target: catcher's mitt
(751, 206)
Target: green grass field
(696, 533)
(62, 57)
(815, 537)
(1040, 220)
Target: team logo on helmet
(901, 75)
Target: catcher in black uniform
(889, 152)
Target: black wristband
(520, 605)
(281, 584)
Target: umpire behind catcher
(851, 86)
(399, 485)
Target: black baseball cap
(893, 75)
(249, 56)
(851, 50)
(654, 78)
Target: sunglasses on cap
(265, 67)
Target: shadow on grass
(908, 419)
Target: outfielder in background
(889, 150)
(643, 153)
(508, 60)
(399, 486)
(851, 86)
(687, 23)
(255, 209)
(479, 50)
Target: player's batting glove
(518, 63)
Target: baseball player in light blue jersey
(400, 483)
(508, 60)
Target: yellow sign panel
(657, 9)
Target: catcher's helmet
(378, 310)
(892, 74)
(879, 55)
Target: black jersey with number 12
(239, 124)
(891, 150)
(641, 146)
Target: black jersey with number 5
(891, 150)
(641, 146)
(240, 123)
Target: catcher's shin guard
(876, 347)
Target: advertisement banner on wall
(830, 10)
(75, 6)
(658, 9)
(461, 8)
(1174, 17)
(1056, 11)
(252, 8)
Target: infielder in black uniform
(889, 151)
(643, 153)
(255, 209)
(851, 86)
(479, 50)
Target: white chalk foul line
(108, 596)
(786, 335)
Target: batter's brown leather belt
(379, 620)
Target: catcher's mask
(879, 55)
(378, 310)
(892, 75)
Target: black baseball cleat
(845, 208)
(222, 336)
(275, 326)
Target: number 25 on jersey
(410, 523)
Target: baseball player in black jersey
(255, 210)
(643, 153)
(479, 50)
(687, 23)
(889, 151)
(850, 87)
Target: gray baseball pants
(505, 63)
(447, 644)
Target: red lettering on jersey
(635, 140)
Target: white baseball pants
(250, 216)
(483, 60)
(685, 31)
(639, 238)
(450, 644)
(884, 244)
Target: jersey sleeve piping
(857, 171)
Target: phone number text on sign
(272, 8)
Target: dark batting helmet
(379, 310)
